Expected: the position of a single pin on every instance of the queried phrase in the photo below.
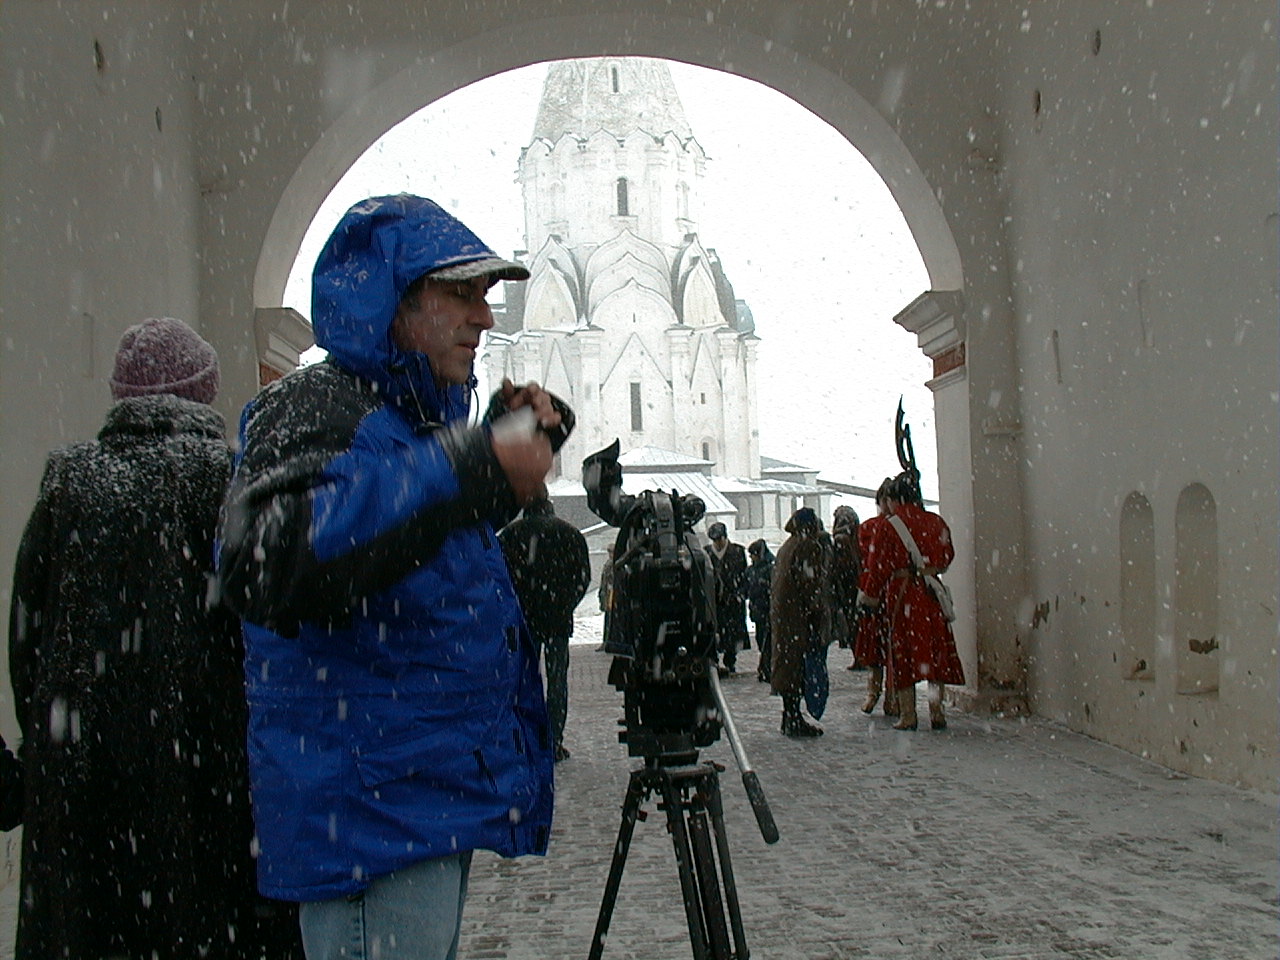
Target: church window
(704, 399)
(706, 450)
(637, 409)
(613, 72)
(624, 206)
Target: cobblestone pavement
(1010, 839)
(990, 839)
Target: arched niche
(1137, 588)
(1195, 591)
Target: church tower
(627, 314)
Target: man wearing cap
(397, 720)
(128, 683)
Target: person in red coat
(921, 645)
(871, 641)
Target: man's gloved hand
(553, 416)
(528, 426)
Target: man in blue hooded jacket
(396, 713)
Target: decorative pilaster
(679, 338)
(750, 346)
(280, 334)
(992, 652)
(733, 407)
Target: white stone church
(628, 315)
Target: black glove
(557, 434)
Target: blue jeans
(412, 914)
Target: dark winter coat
(801, 611)
(396, 711)
(551, 568)
(11, 789)
(846, 564)
(130, 696)
(730, 570)
(759, 585)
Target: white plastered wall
(1142, 226)
(263, 108)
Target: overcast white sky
(808, 233)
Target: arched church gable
(602, 141)
(555, 255)
(690, 253)
(550, 303)
(567, 145)
(626, 243)
(626, 272)
(699, 303)
(536, 153)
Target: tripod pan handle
(760, 806)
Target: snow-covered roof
(669, 460)
(770, 463)
(697, 484)
(765, 485)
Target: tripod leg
(636, 793)
(726, 867)
(704, 856)
(673, 799)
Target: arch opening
(942, 264)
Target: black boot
(794, 725)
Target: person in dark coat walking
(128, 680)
(759, 588)
(846, 562)
(729, 567)
(551, 568)
(800, 615)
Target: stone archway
(936, 317)
(427, 80)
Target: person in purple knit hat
(128, 684)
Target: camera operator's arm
(326, 507)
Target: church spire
(618, 95)
(612, 152)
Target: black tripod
(689, 792)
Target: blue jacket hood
(380, 246)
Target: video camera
(661, 630)
(661, 626)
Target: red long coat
(869, 648)
(921, 645)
